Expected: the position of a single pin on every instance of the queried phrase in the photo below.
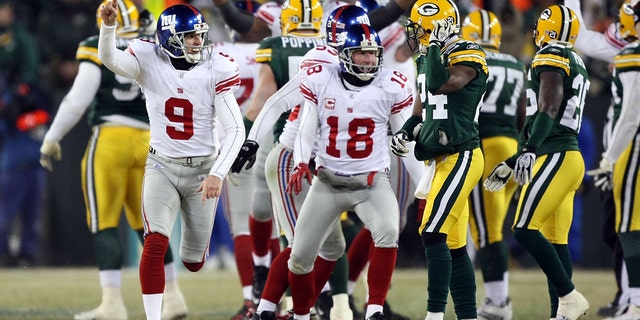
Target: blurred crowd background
(38, 42)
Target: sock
(358, 254)
(260, 234)
(547, 258)
(302, 291)
(338, 278)
(274, 246)
(383, 262)
(493, 260)
(322, 270)
(152, 264)
(278, 278)
(152, 305)
(108, 249)
(438, 270)
(242, 249)
(463, 284)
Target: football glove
(400, 144)
(442, 31)
(247, 155)
(300, 172)
(523, 173)
(603, 176)
(49, 150)
(499, 177)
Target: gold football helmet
(557, 24)
(300, 15)
(626, 23)
(423, 13)
(128, 19)
(483, 28)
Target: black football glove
(247, 155)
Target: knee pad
(298, 268)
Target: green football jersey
(284, 54)
(116, 95)
(628, 59)
(451, 120)
(564, 134)
(505, 85)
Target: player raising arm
(186, 89)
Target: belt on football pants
(186, 161)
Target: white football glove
(442, 31)
(399, 144)
(498, 178)
(48, 150)
(603, 176)
(523, 173)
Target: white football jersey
(322, 55)
(353, 125)
(245, 55)
(180, 103)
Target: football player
(548, 163)
(189, 92)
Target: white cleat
(493, 311)
(632, 313)
(111, 308)
(173, 305)
(572, 306)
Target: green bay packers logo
(428, 9)
(546, 14)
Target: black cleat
(377, 316)
(259, 279)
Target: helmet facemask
(361, 38)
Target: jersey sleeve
(469, 54)
(227, 74)
(551, 58)
(88, 51)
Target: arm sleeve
(230, 118)
(306, 135)
(75, 103)
(589, 42)
(627, 125)
(118, 61)
(285, 99)
(236, 19)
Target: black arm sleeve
(236, 19)
(382, 17)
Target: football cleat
(494, 311)
(377, 316)
(264, 315)
(246, 311)
(259, 279)
(324, 304)
(632, 313)
(111, 308)
(173, 305)
(572, 306)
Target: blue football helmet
(360, 37)
(177, 21)
(341, 18)
(367, 5)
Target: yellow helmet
(557, 24)
(626, 23)
(301, 15)
(423, 12)
(483, 28)
(128, 18)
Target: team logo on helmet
(546, 14)
(428, 9)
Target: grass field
(48, 293)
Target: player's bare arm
(459, 76)
(551, 93)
